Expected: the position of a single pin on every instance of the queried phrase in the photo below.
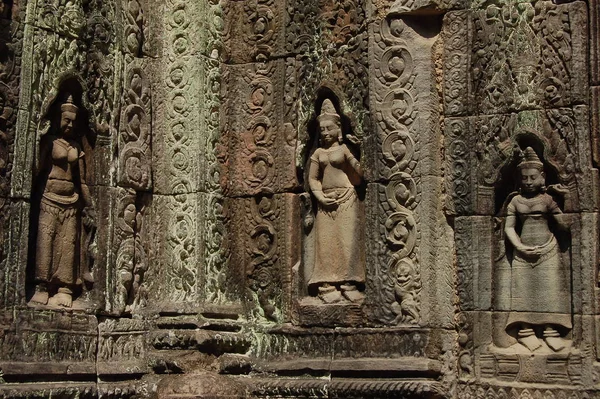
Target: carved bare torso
(534, 213)
(65, 156)
(333, 168)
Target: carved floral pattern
(262, 271)
(135, 135)
(521, 56)
(395, 116)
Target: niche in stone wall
(532, 260)
(62, 240)
(521, 252)
(6, 9)
(332, 270)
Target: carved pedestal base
(203, 385)
(312, 312)
(552, 368)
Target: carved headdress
(328, 112)
(68, 105)
(530, 160)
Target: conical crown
(530, 160)
(328, 111)
(68, 105)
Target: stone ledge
(406, 366)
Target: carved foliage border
(393, 98)
(526, 61)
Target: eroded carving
(537, 270)
(334, 172)
(66, 221)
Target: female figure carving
(333, 174)
(65, 194)
(540, 283)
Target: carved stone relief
(66, 218)
(537, 265)
(594, 40)
(527, 60)
(220, 262)
(483, 147)
(337, 273)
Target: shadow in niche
(507, 185)
(6, 11)
(427, 24)
(353, 144)
(87, 139)
(510, 177)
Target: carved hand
(326, 200)
(529, 251)
(559, 189)
(89, 217)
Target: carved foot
(330, 295)
(527, 338)
(61, 299)
(555, 343)
(553, 340)
(40, 297)
(352, 293)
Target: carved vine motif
(264, 28)
(262, 249)
(458, 154)
(11, 42)
(182, 273)
(216, 251)
(465, 345)
(135, 128)
(301, 21)
(521, 56)
(131, 258)
(136, 28)
(135, 137)
(102, 56)
(401, 283)
(260, 130)
(456, 48)
(179, 158)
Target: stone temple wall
(184, 220)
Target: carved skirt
(57, 243)
(541, 289)
(339, 240)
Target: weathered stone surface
(519, 64)
(199, 122)
(205, 385)
(47, 343)
(489, 142)
(594, 40)
(263, 249)
(122, 347)
(259, 157)
(423, 7)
